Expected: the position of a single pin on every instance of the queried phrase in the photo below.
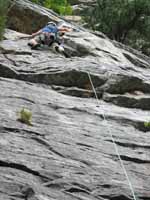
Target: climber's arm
(64, 29)
(30, 36)
(36, 33)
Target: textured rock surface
(80, 6)
(27, 18)
(68, 153)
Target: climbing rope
(112, 138)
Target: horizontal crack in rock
(20, 167)
(76, 189)
(136, 160)
(132, 145)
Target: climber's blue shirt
(50, 29)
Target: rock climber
(50, 34)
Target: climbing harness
(113, 140)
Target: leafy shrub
(60, 6)
(127, 21)
(3, 16)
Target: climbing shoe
(29, 44)
(33, 46)
(57, 48)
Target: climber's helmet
(51, 23)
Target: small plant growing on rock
(147, 124)
(25, 116)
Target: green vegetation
(62, 7)
(59, 6)
(3, 16)
(127, 21)
(146, 124)
(25, 116)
